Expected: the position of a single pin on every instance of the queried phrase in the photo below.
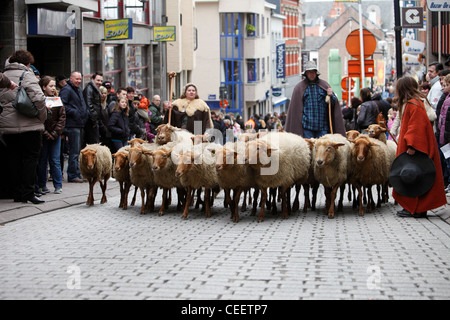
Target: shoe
(58, 190)
(38, 194)
(406, 214)
(34, 200)
(77, 180)
(44, 190)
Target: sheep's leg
(236, 198)
(274, 197)
(315, 189)
(244, 202)
(255, 201)
(90, 200)
(341, 198)
(208, 202)
(360, 200)
(296, 203)
(126, 190)
(188, 201)
(181, 192)
(370, 201)
(332, 200)
(164, 200)
(263, 200)
(227, 198)
(103, 187)
(143, 200)
(122, 191)
(199, 199)
(284, 201)
(133, 200)
(231, 201)
(327, 198)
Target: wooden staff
(328, 99)
(172, 76)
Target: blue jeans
(73, 167)
(50, 153)
(308, 134)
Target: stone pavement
(103, 252)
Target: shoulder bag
(22, 102)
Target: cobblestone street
(104, 252)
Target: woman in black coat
(119, 125)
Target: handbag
(22, 102)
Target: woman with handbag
(22, 134)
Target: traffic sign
(346, 82)
(354, 68)
(353, 47)
(223, 103)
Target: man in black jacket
(92, 97)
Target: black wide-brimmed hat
(412, 176)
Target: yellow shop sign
(166, 33)
(118, 29)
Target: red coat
(417, 132)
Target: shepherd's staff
(328, 99)
(172, 76)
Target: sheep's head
(164, 133)
(89, 157)
(375, 130)
(352, 135)
(325, 152)
(361, 148)
(160, 158)
(200, 138)
(135, 155)
(258, 152)
(135, 141)
(185, 161)
(224, 157)
(120, 160)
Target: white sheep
(279, 159)
(167, 133)
(233, 173)
(95, 165)
(369, 167)
(196, 169)
(331, 165)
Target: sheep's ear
(383, 129)
(148, 152)
(337, 145)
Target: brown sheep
(122, 174)
(352, 135)
(377, 132)
(95, 165)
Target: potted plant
(250, 29)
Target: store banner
(438, 5)
(165, 33)
(118, 29)
(280, 60)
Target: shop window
(137, 68)
(89, 61)
(112, 65)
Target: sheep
(279, 159)
(352, 135)
(377, 132)
(141, 174)
(369, 167)
(311, 182)
(95, 165)
(233, 174)
(121, 172)
(167, 133)
(196, 169)
(331, 161)
(164, 175)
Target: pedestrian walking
(76, 117)
(417, 136)
(309, 114)
(436, 90)
(189, 109)
(51, 141)
(22, 134)
(119, 124)
(92, 97)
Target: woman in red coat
(416, 134)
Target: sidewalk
(73, 194)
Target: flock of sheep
(266, 163)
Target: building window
(112, 65)
(111, 9)
(137, 68)
(252, 26)
(252, 70)
(135, 9)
